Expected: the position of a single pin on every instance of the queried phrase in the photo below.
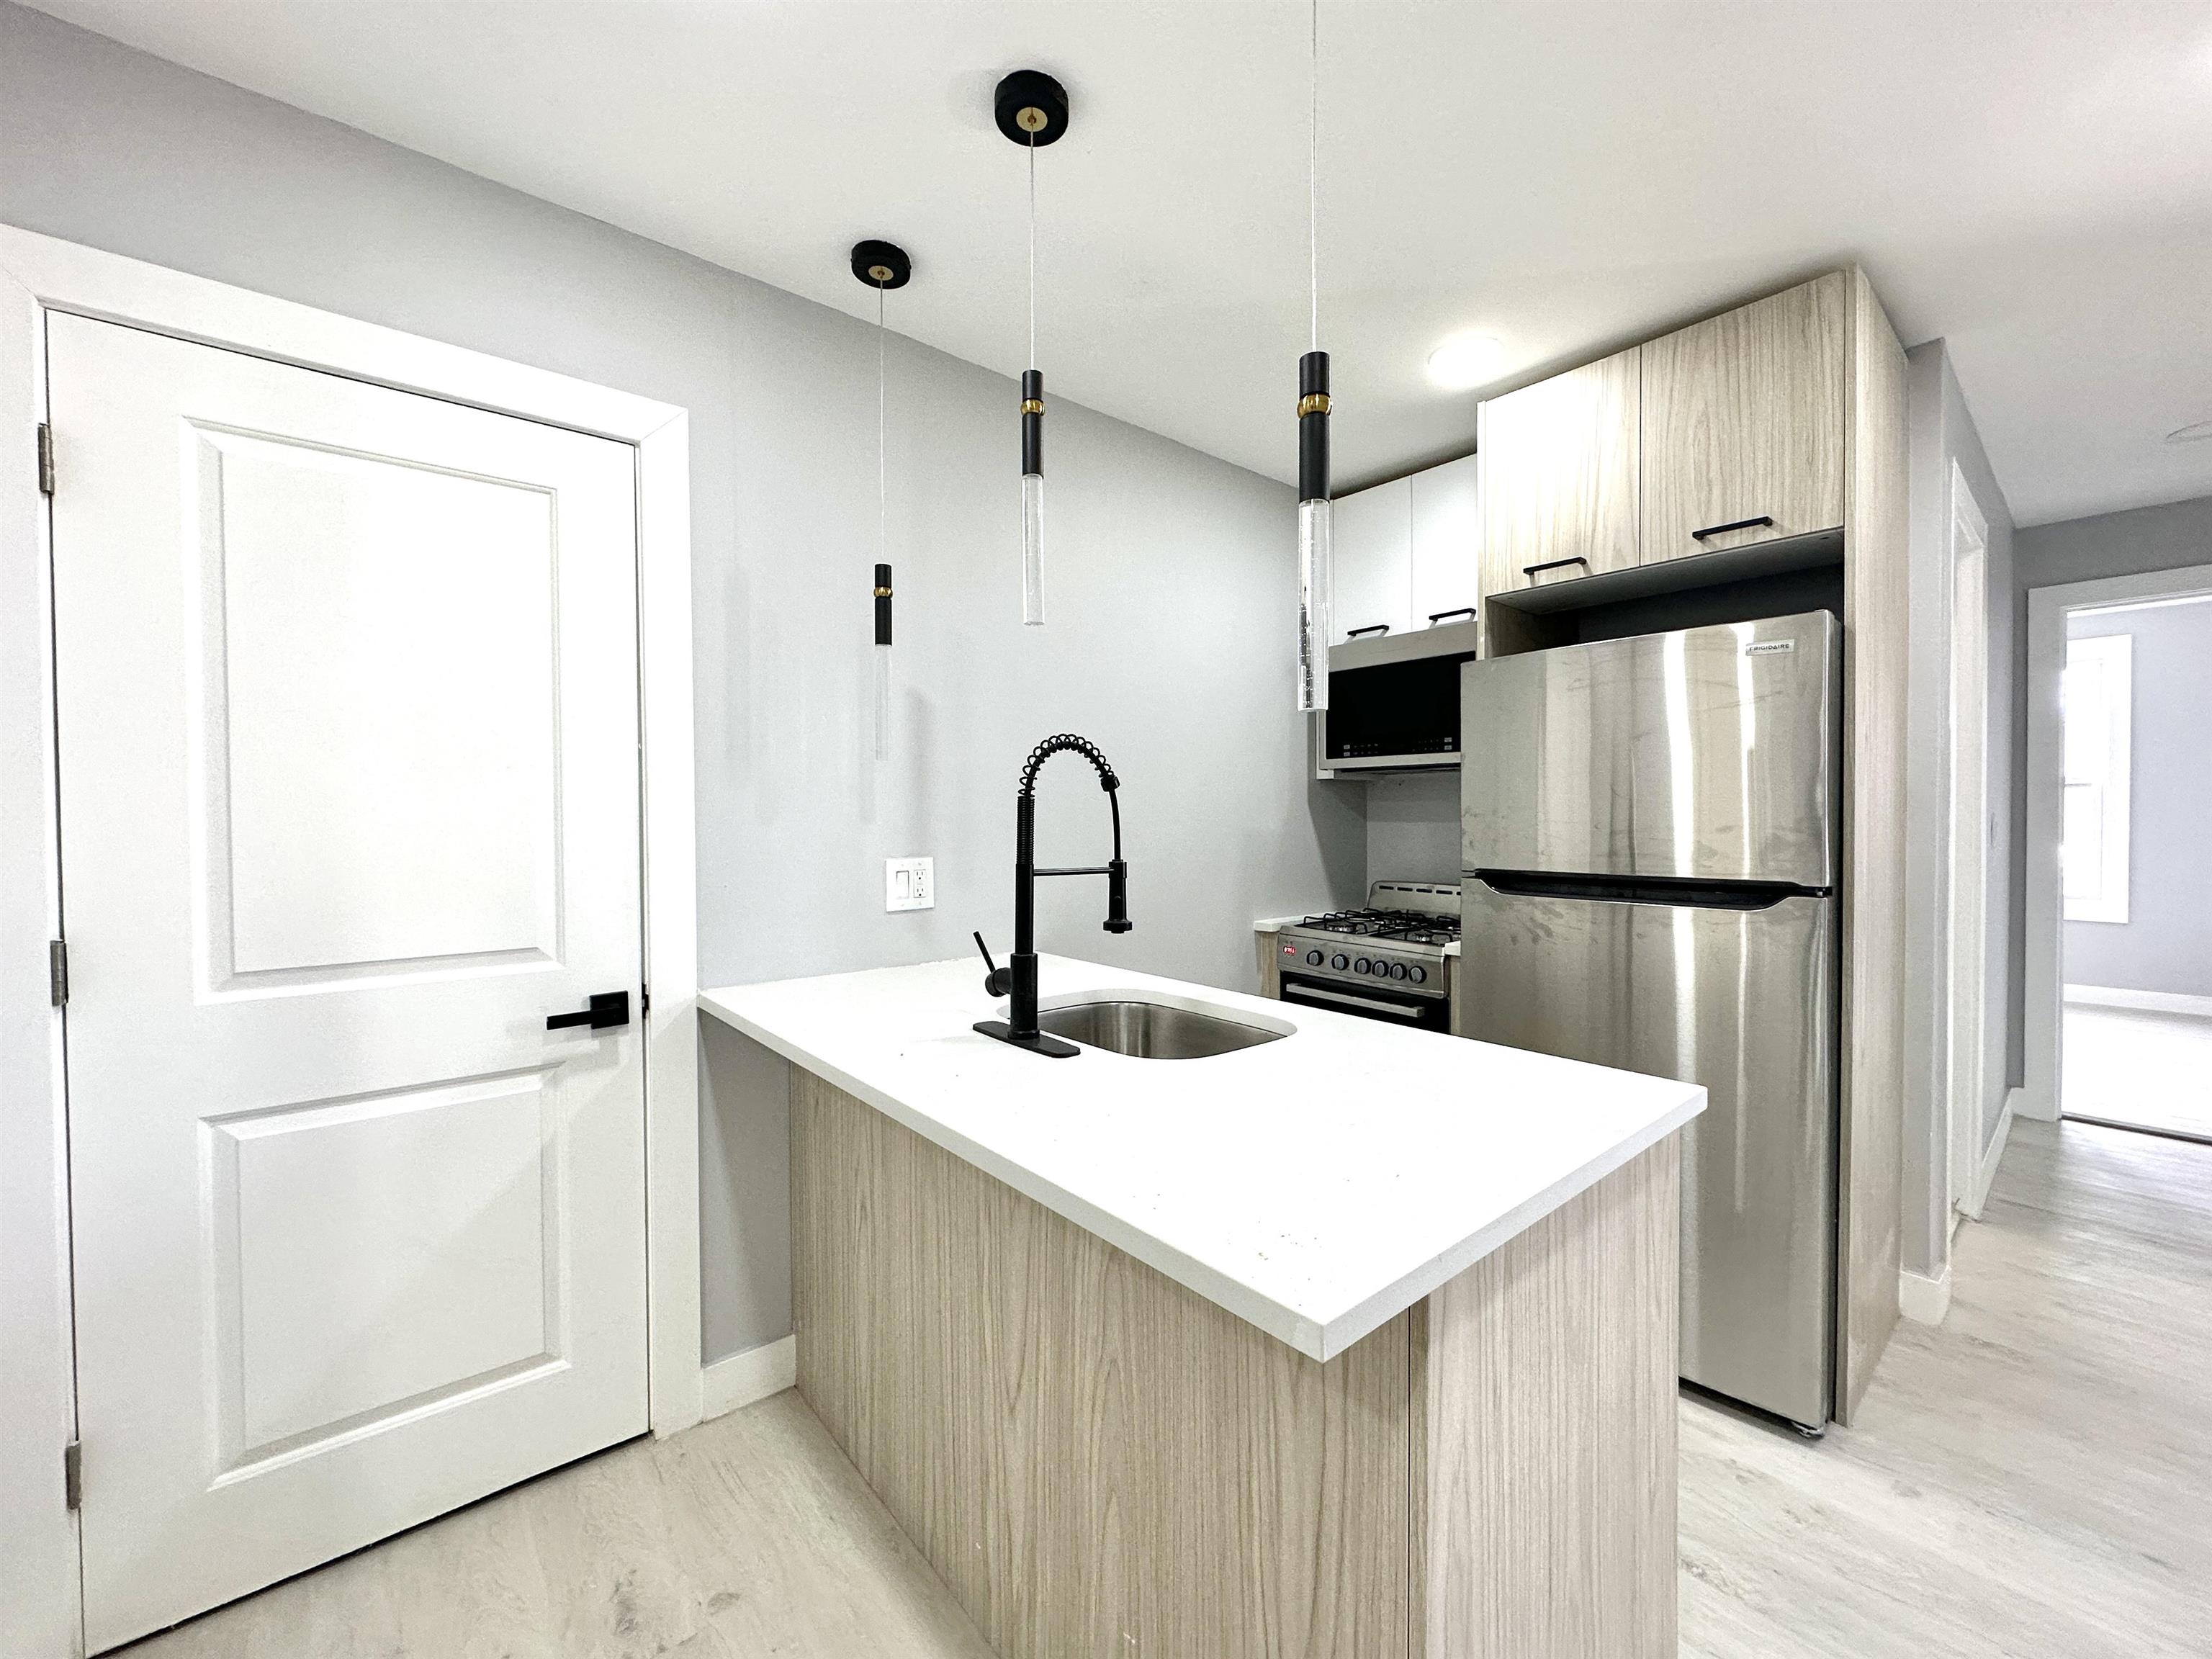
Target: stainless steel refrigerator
(1651, 855)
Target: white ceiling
(2032, 181)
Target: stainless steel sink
(1151, 1030)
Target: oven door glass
(1392, 1006)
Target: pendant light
(1316, 552)
(883, 266)
(1031, 110)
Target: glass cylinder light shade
(883, 655)
(1033, 549)
(1316, 568)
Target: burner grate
(1410, 926)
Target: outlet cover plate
(909, 883)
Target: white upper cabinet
(1374, 559)
(1408, 549)
(1447, 540)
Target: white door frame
(1966, 849)
(2047, 611)
(41, 1613)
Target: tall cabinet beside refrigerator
(1651, 854)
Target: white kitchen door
(347, 691)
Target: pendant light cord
(1032, 250)
(1313, 177)
(883, 511)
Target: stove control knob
(1313, 958)
(1398, 970)
(1339, 960)
(1418, 974)
(1360, 966)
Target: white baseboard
(2022, 1102)
(742, 1378)
(2157, 1002)
(1978, 1195)
(1923, 1300)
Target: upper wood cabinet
(1743, 420)
(1559, 465)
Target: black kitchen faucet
(1018, 980)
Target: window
(2096, 701)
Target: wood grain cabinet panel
(1743, 419)
(1559, 462)
(1102, 1463)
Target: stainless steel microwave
(1393, 699)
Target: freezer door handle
(1680, 892)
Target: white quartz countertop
(1316, 1186)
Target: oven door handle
(1291, 993)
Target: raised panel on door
(1743, 422)
(1559, 464)
(1374, 532)
(347, 719)
(1447, 539)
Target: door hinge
(45, 460)
(644, 1000)
(73, 1473)
(57, 971)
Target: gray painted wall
(1412, 827)
(2079, 549)
(1941, 433)
(1169, 597)
(2165, 943)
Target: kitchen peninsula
(1348, 1341)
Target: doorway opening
(2135, 870)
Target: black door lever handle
(607, 1009)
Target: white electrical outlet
(909, 883)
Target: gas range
(1397, 942)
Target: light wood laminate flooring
(2032, 1478)
(745, 1537)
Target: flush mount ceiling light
(2196, 432)
(1031, 109)
(883, 266)
(1466, 360)
(1317, 535)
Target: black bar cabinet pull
(1554, 564)
(1436, 616)
(1763, 519)
(607, 1008)
(1372, 627)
